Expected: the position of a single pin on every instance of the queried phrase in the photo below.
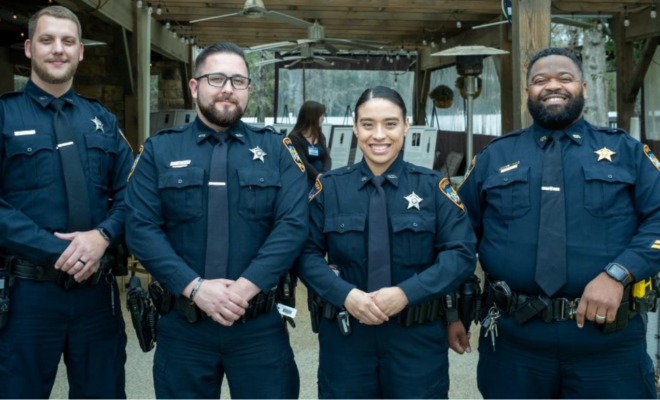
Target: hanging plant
(442, 96)
(460, 85)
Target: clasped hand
(224, 300)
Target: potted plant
(442, 96)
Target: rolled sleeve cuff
(339, 291)
(637, 266)
(178, 283)
(412, 287)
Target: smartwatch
(106, 235)
(618, 272)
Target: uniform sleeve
(312, 266)
(288, 233)
(20, 236)
(116, 215)
(144, 229)
(456, 246)
(471, 195)
(298, 144)
(642, 256)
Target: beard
(40, 68)
(555, 117)
(223, 117)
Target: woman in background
(309, 142)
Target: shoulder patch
(294, 153)
(651, 157)
(135, 163)
(318, 187)
(125, 140)
(467, 175)
(448, 190)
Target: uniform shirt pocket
(607, 190)
(101, 154)
(413, 238)
(258, 192)
(181, 193)
(30, 162)
(346, 239)
(507, 194)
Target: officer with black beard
(218, 212)
(567, 216)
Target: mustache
(57, 59)
(227, 99)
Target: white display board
(341, 138)
(327, 131)
(164, 120)
(183, 117)
(419, 146)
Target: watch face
(617, 272)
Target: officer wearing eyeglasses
(218, 213)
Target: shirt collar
(203, 131)
(575, 132)
(44, 98)
(392, 174)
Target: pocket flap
(259, 177)
(345, 223)
(608, 173)
(28, 145)
(97, 141)
(414, 222)
(520, 174)
(180, 178)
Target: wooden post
(506, 79)
(624, 72)
(531, 34)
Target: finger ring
(80, 260)
(599, 317)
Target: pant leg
(258, 359)
(348, 365)
(95, 352)
(607, 365)
(31, 344)
(524, 363)
(413, 362)
(187, 363)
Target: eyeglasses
(219, 80)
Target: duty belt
(23, 269)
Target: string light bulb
(459, 25)
(159, 10)
(654, 13)
(150, 9)
(626, 20)
(138, 4)
(15, 16)
(167, 24)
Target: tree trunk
(594, 64)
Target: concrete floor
(139, 379)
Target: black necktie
(551, 254)
(217, 239)
(80, 216)
(379, 275)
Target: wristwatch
(106, 235)
(618, 272)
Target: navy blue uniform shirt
(612, 207)
(432, 248)
(168, 199)
(33, 199)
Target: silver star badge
(258, 154)
(413, 200)
(98, 123)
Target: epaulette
(265, 129)
(607, 129)
(93, 100)
(11, 94)
(174, 129)
(416, 169)
(508, 135)
(341, 171)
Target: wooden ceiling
(405, 22)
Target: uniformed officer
(64, 165)
(218, 213)
(398, 240)
(564, 210)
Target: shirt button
(609, 176)
(506, 179)
(261, 179)
(415, 224)
(341, 226)
(29, 149)
(180, 181)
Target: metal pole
(470, 90)
(144, 73)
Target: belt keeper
(530, 308)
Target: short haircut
(226, 47)
(381, 92)
(53, 11)
(554, 51)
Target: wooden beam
(637, 78)
(642, 27)
(486, 37)
(624, 69)
(120, 12)
(465, 5)
(125, 64)
(531, 34)
(143, 32)
(505, 73)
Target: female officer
(398, 241)
(308, 140)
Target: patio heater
(469, 64)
